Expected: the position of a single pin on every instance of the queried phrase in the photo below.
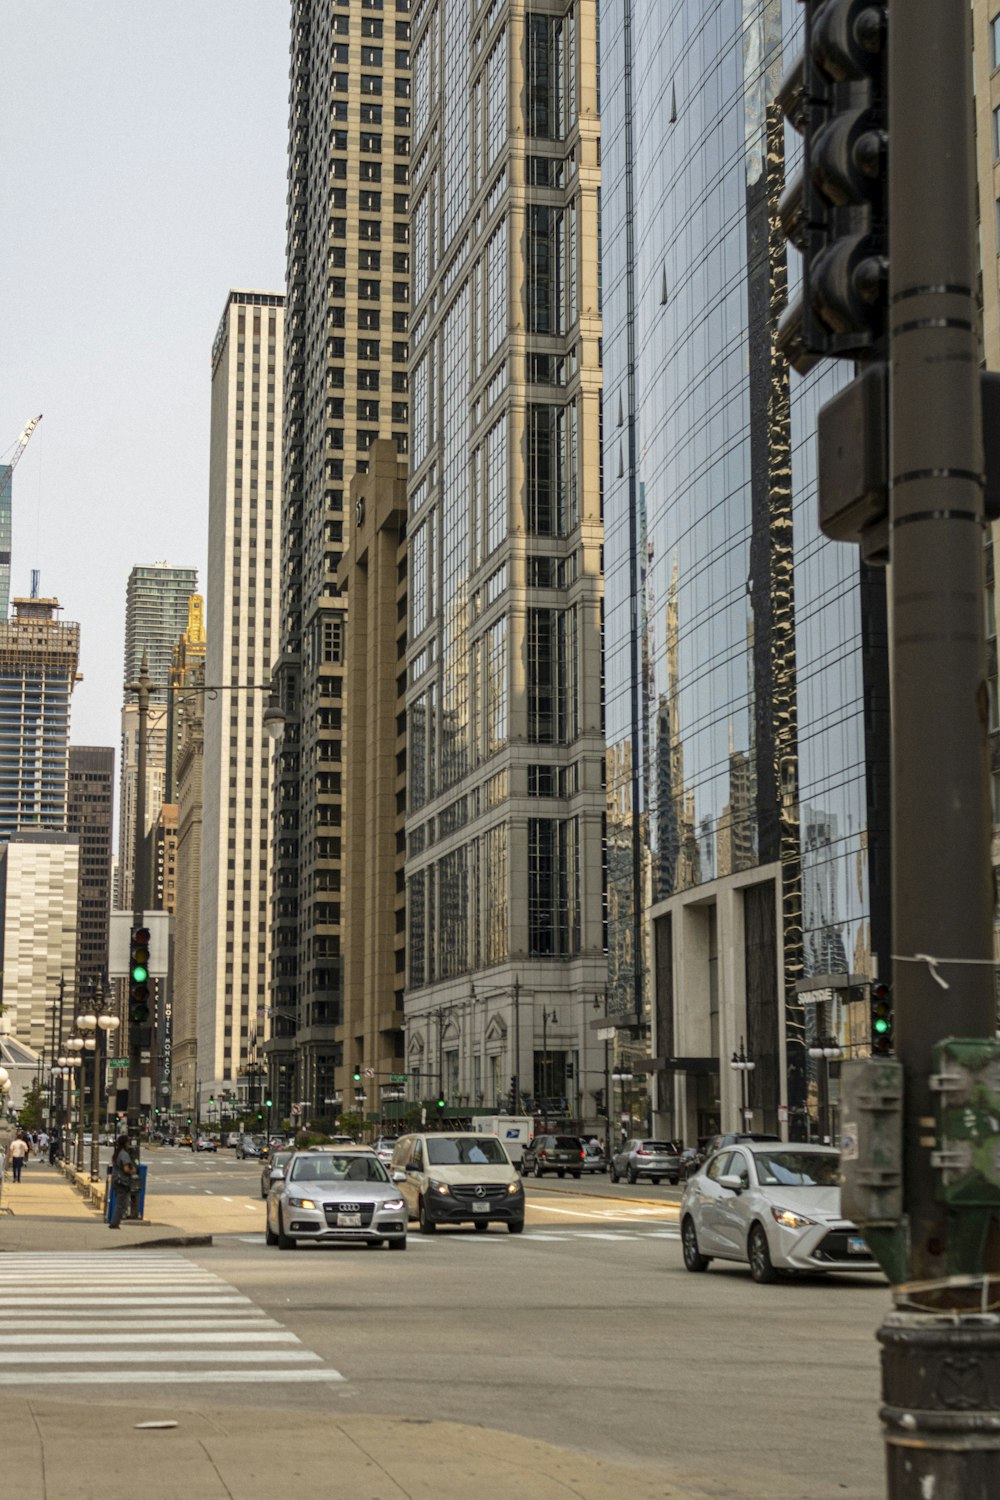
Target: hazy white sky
(142, 174)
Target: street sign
(606, 1034)
(782, 1114)
(118, 1062)
(398, 1077)
(748, 1117)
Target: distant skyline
(142, 174)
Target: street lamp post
(546, 1072)
(742, 1064)
(827, 1050)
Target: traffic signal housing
(835, 210)
(440, 1099)
(138, 976)
(881, 1020)
(357, 1073)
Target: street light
(742, 1064)
(829, 1050)
(546, 1071)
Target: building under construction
(39, 655)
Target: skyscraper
(346, 348)
(39, 655)
(156, 611)
(39, 902)
(187, 702)
(505, 747)
(243, 579)
(90, 817)
(745, 655)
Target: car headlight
(392, 1206)
(439, 1187)
(789, 1219)
(301, 1203)
(515, 1187)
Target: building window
(995, 41)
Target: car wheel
(759, 1256)
(613, 1173)
(655, 1181)
(576, 1175)
(398, 1244)
(560, 1175)
(693, 1258)
(270, 1238)
(538, 1170)
(427, 1224)
(633, 1176)
(480, 1226)
(515, 1226)
(285, 1242)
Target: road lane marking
(155, 1356)
(167, 1377)
(228, 1336)
(580, 1213)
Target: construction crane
(20, 446)
(6, 472)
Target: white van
(514, 1130)
(458, 1178)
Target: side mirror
(412, 1166)
(398, 1176)
(277, 1174)
(733, 1181)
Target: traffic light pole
(140, 894)
(940, 1345)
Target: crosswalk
(138, 1317)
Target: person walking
(124, 1180)
(18, 1153)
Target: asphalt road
(585, 1331)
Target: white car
(774, 1206)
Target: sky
(142, 174)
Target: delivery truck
(515, 1131)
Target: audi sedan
(336, 1195)
(773, 1207)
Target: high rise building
(156, 612)
(90, 816)
(243, 578)
(39, 655)
(745, 655)
(187, 705)
(505, 745)
(346, 349)
(6, 500)
(372, 576)
(39, 901)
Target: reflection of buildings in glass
(748, 707)
(822, 928)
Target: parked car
(273, 1169)
(594, 1159)
(342, 1194)
(656, 1160)
(458, 1178)
(773, 1206)
(554, 1153)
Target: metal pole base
(941, 1418)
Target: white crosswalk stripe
(632, 1235)
(136, 1317)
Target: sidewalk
(68, 1450)
(49, 1213)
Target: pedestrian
(43, 1144)
(18, 1152)
(124, 1180)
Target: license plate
(348, 1221)
(856, 1245)
(480, 1208)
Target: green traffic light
(881, 1026)
(139, 974)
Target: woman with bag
(124, 1180)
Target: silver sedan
(336, 1195)
(773, 1206)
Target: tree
(30, 1117)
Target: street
(586, 1331)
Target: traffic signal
(440, 1100)
(599, 1101)
(835, 210)
(357, 1073)
(138, 981)
(881, 1020)
(268, 1103)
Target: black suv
(554, 1153)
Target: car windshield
(663, 1148)
(797, 1168)
(332, 1166)
(281, 1159)
(472, 1150)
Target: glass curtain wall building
(747, 717)
(505, 934)
(39, 658)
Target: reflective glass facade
(741, 647)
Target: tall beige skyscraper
(187, 701)
(345, 360)
(242, 594)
